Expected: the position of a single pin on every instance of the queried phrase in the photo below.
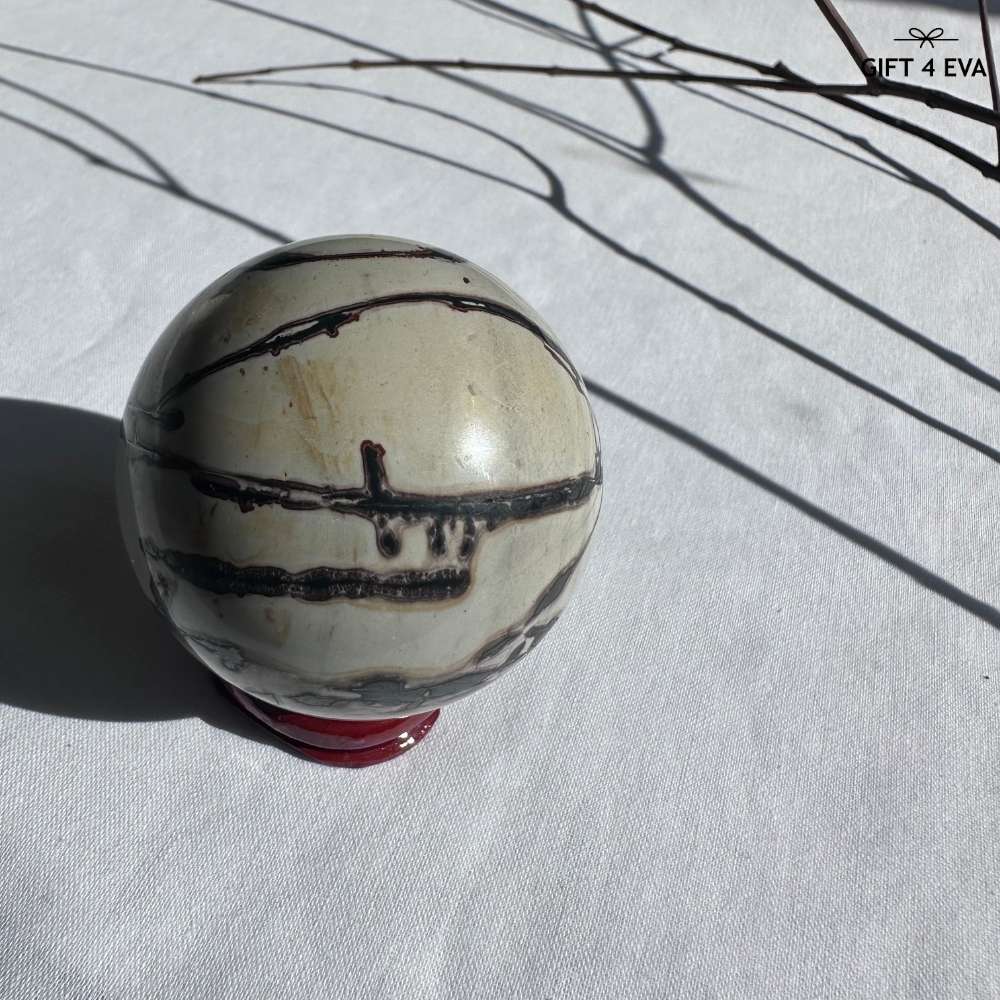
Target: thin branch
(987, 169)
(924, 95)
(844, 33)
(471, 65)
(984, 20)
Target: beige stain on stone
(305, 385)
(321, 380)
(291, 374)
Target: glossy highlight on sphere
(358, 475)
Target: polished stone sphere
(358, 476)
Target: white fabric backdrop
(757, 758)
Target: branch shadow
(652, 155)
(894, 167)
(906, 173)
(162, 180)
(80, 639)
(985, 612)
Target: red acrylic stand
(338, 742)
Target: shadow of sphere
(81, 638)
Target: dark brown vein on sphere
(330, 323)
(168, 420)
(317, 583)
(377, 498)
(289, 258)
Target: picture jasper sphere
(358, 476)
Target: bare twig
(474, 65)
(924, 95)
(987, 169)
(984, 20)
(845, 34)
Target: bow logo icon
(926, 37)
